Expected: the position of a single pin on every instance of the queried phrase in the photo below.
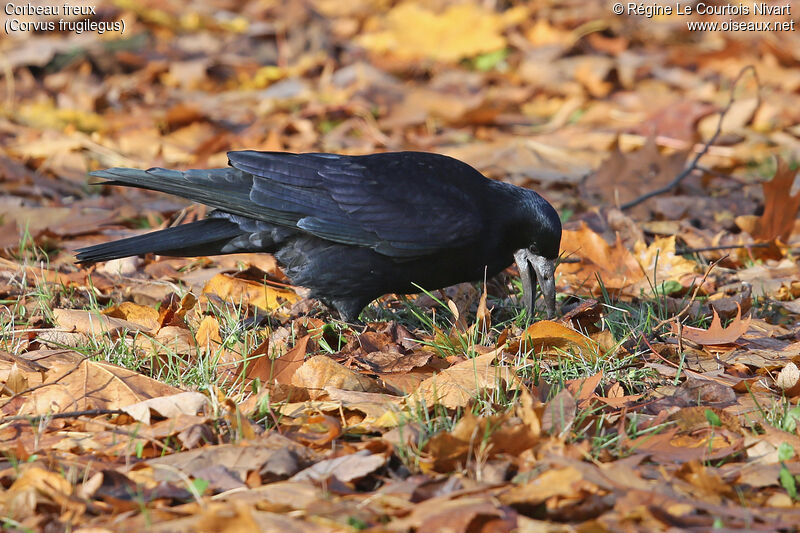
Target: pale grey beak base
(545, 275)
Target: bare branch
(693, 165)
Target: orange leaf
(547, 334)
(583, 388)
(238, 290)
(616, 265)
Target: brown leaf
(170, 340)
(500, 434)
(346, 468)
(93, 324)
(780, 207)
(207, 334)
(281, 369)
(616, 265)
(460, 384)
(394, 362)
(702, 445)
(92, 385)
(16, 381)
(317, 430)
(322, 371)
(676, 120)
(187, 403)
(367, 411)
(483, 317)
(584, 388)
(559, 413)
(457, 515)
(621, 270)
(242, 457)
(565, 482)
(715, 334)
(37, 487)
(626, 176)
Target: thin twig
(689, 251)
(68, 414)
(693, 165)
(691, 300)
(45, 384)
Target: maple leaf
(619, 268)
(780, 207)
(716, 334)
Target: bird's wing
(400, 204)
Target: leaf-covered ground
(207, 394)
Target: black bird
(352, 228)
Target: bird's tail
(204, 237)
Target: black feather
(350, 228)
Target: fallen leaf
(715, 334)
(466, 514)
(499, 434)
(241, 458)
(788, 379)
(37, 487)
(583, 389)
(207, 334)
(412, 31)
(462, 383)
(242, 291)
(626, 176)
(552, 482)
(322, 371)
(645, 269)
(545, 335)
(346, 468)
(780, 207)
(259, 365)
(187, 403)
(559, 414)
(93, 324)
(316, 430)
(92, 385)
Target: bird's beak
(545, 274)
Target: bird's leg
(349, 310)
(528, 281)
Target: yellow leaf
(45, 115)
(546, 335)
(411, 31)
(138, 314)
(237, 291)
(208, 333)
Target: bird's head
(543, 239)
